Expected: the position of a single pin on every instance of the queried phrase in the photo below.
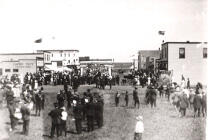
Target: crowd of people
(27, 95)
(87, 108)
(182, 95)
(24, 98)
(20, 100)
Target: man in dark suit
(135, 97)
(117, 98)
(99, 112)
(60, 99)
(69, 97)
(42, 97)
(26, 118)
(65, 85)
(90, 114)
(11, 107)
(38, 102)
(188, 83)
(126, 98)
(55, 114)
(78, 116)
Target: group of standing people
(21, 99)
(86, 109)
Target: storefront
(18, 67)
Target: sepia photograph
(103, 69)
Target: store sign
(23, 65)
(40, 63)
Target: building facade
(60, 59)
(185, 58)
(21, 63)
(145, 57)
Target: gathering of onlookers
(87, 108)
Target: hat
(139, 118)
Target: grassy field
(161, 123)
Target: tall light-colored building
(185, 58)
(62, 58)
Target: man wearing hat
(90, 114)
(135, 97)
(77, 110)
(38, 101)
(139, 129)
(126, 98)
(26, 118)
(117, 98)
(11, 107)
(60, 98)
(55, 114)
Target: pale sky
(99, 28)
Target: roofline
(148, 50)
(57, 50)
(20, 53)
(122, 62)
(184, 42)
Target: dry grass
(161, 123)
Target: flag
(38, 40)
(161, 32)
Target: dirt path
(35, 127)
(161, 123)
(3, 127)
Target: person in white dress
(139, 129)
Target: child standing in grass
(139, 128)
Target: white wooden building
(185, 58)
(60, 59)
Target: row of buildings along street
(178, 58)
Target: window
(15, 70)
(69, 61)
(59, 63)
(64, 54)
(69, 54)
(0, 71)
(165, 52)
(204, 52)
(61, 54)
(181, 52)
(52, 55)
(7, 70)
